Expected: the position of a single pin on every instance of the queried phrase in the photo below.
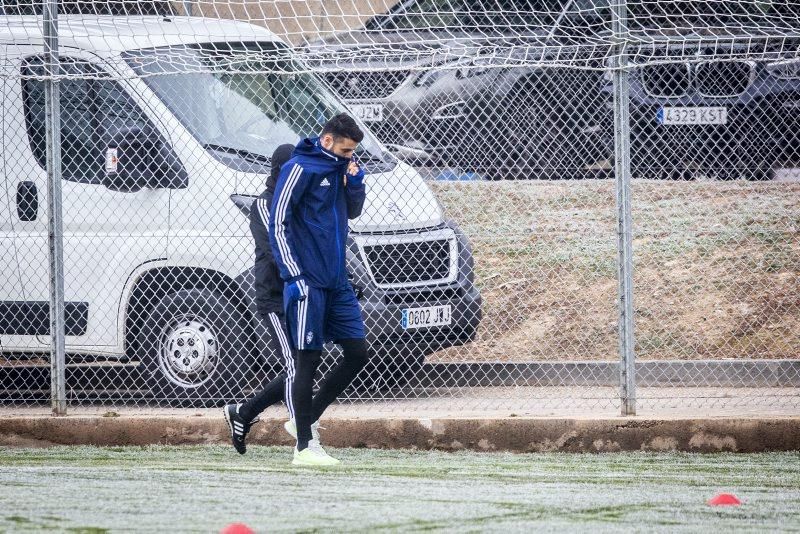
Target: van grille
(410, 262)
(366, 85)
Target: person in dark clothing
(269, 303)
(318, 191)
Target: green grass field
(201, 489)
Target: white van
(167, 125)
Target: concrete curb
(509, 434)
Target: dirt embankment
(717, 269)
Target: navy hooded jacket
(309, 213)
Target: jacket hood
(280, 156)
(311, 147)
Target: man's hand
(296, 290)
(355, 174)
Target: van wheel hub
(188, 354)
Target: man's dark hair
(343, 125)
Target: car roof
(109, 35)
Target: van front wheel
(195, 350)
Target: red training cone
(237, 528)
(724, 499)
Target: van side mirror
(137, 158)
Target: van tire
(194, 349)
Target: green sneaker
(313, 456)
(291, 429)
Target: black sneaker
(239, 427)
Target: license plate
(368, 112)
(425, 317)
(692, 115)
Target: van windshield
(226, 96)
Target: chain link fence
(488, 258)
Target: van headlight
(243, 202)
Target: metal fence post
(55, 225)
(622, 172)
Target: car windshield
(226, 97)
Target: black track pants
(280, 388)
(309, 409)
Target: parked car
(536, 123)
(712, 95)
(164, 147)
(713, 112)
(724, 118)
(434, 110)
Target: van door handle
(27, 201)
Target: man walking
(318, 190)
(269, 303)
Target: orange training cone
(725, 499)
(237, 528)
